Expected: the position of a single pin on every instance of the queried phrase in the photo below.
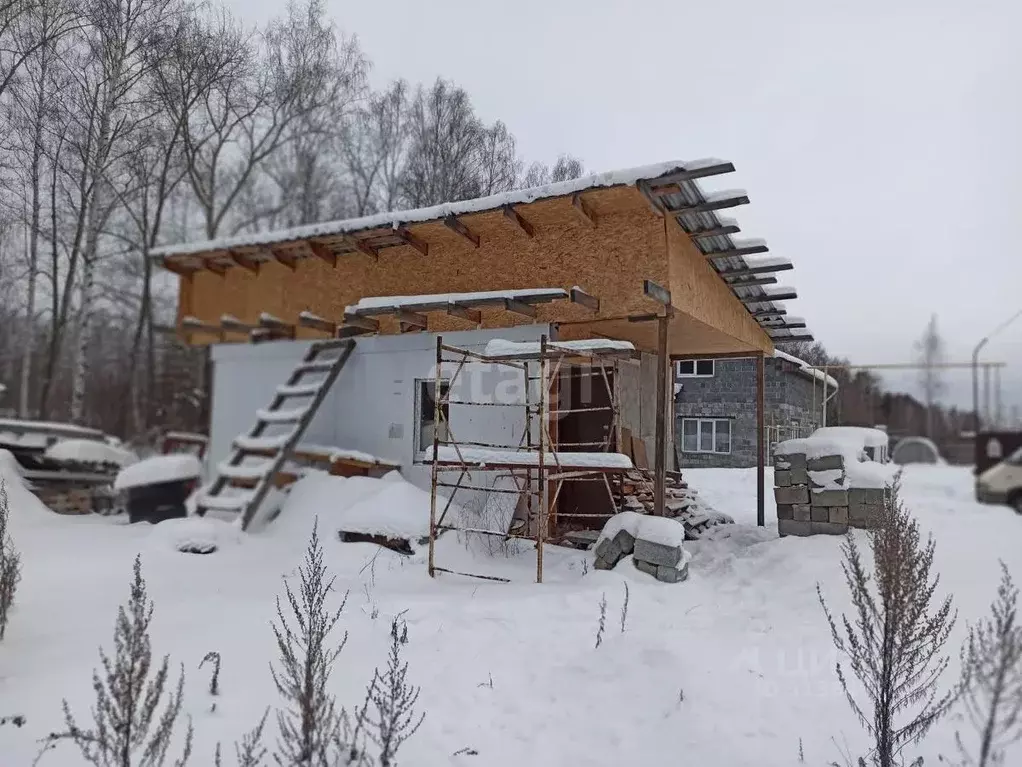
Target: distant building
(715, 407)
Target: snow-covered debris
(853, 435)
(654, 544)
(89, 451)
(500, 347)
(195, 535)
(829, 479)
(496, 457)
(395, 218)
(159, 469)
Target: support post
(761, 441)
(544, 399)
(660, 460)
(986, 393)
(436, 442)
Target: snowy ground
(732, 667)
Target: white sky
(880, 142)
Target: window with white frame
(695, 368)
(706, 435)
(425, 415)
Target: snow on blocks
(654, 543)
(827, 482)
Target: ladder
(246, 476)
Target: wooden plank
(322, 252)
(716, 169)
(475, 316)
(317, 323)
(657, 292)
(754, 270)
(769, 313)
(455, 224)
(747, 250)
(515, 217)
(235, 325)
(579, 296)
(751, 283)
(413, 319)
(660, 424)
(790, 295)
(410, 239)
(349, 331)
(365, 323)
(626, 443)
(526, 310)
(583, 209)
(639, 455)
(711, 205)
(244, 261)
(787, 323)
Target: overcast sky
(879, 142)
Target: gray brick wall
(731, 394)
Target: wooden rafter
(245, 261)
(322, 252)
(283, 257)
(583, 209)
(455, 224)
(309, 320)
(741, 250)
(515, 218)
(349, 331)
(789, 294)
(475, 316)
(362, 246)
(358, 321)
(579, 296)
(660, 190)
(411, 319)
(716, 231)
(276, 325)
(213, 264)
(751, 283)
(179, 268)
(518, 307)
(195, 324)
(688, 175)
(711, 205)
(232, 324)
(754, 270)
(784, 323)
(410, 239)
(768, 313)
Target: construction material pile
(655, 545)
(680, 501)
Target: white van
(1002, 482)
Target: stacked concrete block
(814, 496)
(654, 543)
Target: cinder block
(785, 511)
(829, 497)
(823, 463)
(608, 550)
(793, 494)
(839, 515)
(797, 468)
(624, 541)
(657, 553)
(840, 480)
(782, 478)
(603, 564)
(803, 512)
(781, 463)
(865, 496)
(819, 514)
(827, 528)
(793, 527)
(672, 574)
(645, 567)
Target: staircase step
(261, 445)
(299, 390)
(233, 502)
(282, 416)
(240, 471)
(316, 366)
(333, 343)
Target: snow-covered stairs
(254, 465)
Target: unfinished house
(433, 340)
(716, 414)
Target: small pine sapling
(992, 669)
(393, 719)
(127, 730)
(213, 658)
(894, 643)
(603, 621)
(624, 610)
(10, 562)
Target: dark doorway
(581, 387)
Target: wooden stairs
(256, 461)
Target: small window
(706, 435)
(426, 407)
(695, 368)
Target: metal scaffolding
(537, 465)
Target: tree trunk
(85, 332)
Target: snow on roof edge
(622, 177)
(806, 368)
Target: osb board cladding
(609, 261)
(686, 335)
(699, 291)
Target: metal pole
(436, 456)
(544, 396)
(986, 394)
(975, 384)
(997, 398)
(760, 441)
(660, 461)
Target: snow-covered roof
(499, 347)
(806, 368)
(369, 305)
(509, 457)
(393, 219)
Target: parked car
(1002, 482)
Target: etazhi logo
(995, 449)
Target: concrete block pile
(654, 544)
(816, 495)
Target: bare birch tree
(375, 147)
(894, 642)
